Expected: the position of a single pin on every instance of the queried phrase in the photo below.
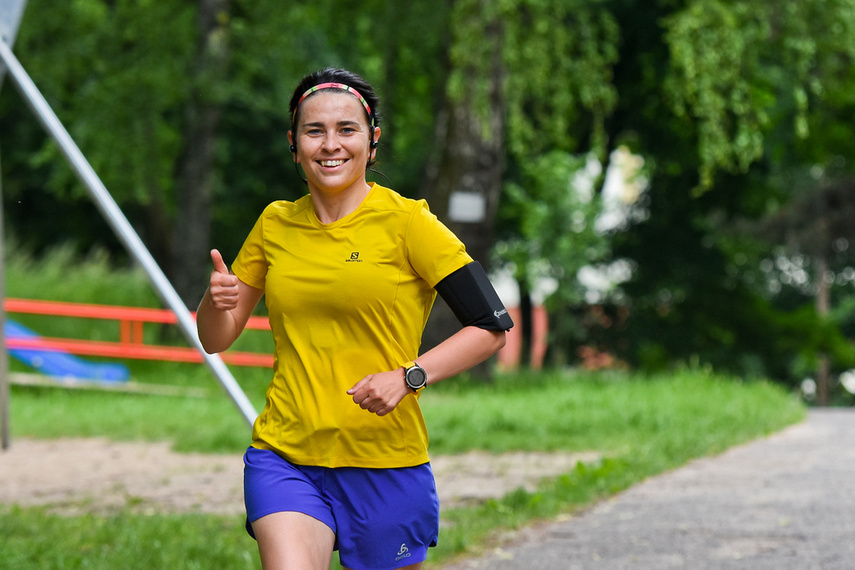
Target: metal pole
(11, 12)
(121, 226)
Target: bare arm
(225, 308)
(460, 352)
(380, 393)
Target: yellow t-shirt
(345, 300)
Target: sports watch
(415, 376)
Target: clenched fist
(223, 287)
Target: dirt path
(86, 475)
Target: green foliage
(61, 274)
(743, 99)
(114, 75)
(713, 51)
(738, 67)
(560, 89)
(120, 76)
(555, 58)
(728, 97)
(555, 219)
(706, 304)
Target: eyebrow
(340, 124)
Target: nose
(331, 142)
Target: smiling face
(333, 140)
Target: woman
(349, 273)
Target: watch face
(416, 377)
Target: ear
(293, 147)
(375, 138)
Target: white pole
(126, 234)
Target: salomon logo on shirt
(354, 258)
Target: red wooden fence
(131, 343)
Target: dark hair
(334, 75)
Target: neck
(330, 208)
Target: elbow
(208, 346)
(211, 344)
(495, 341)
(214, 334)
(501, 338)
(210, 349)
(490, 341)
(502, 341)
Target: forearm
(219, 324)
(460, 352)
(380, 393)
(216, 328)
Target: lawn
(641, 425)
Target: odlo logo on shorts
(403, 552)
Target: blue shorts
(382, 518)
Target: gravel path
(782, 502)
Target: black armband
(473, 300)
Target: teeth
(332, 162)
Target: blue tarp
(62, 364)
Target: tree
(525, 76)
(817, 224)
(728, 102)
(114, 75)
(144, 90)
(195, 177)
(500, 101)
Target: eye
(314, 132)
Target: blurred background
(652, 183)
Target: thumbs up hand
(223, 287)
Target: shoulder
(286, 208)
(285, 213)
(388, 200)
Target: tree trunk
(464, 183)
(823, 307)
(195, 170)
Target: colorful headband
(341, 86)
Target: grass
(207, 425)
(34, 539)
(641, 425)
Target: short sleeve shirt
(345, 300)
